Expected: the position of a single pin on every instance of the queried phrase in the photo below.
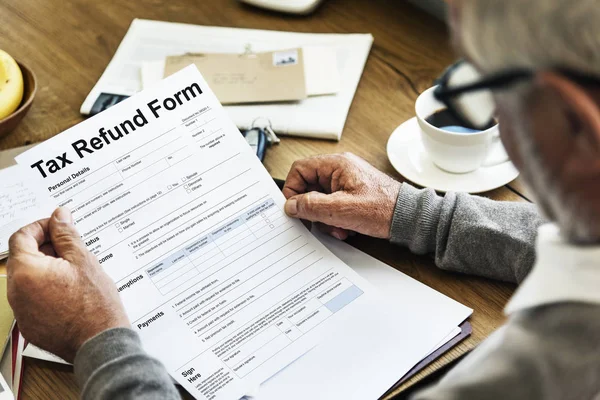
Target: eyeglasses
(469, 96)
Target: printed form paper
(20, 204)
(301, 381)
(398, 290)
(220, 284)
(354, 364)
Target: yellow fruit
(11, 85)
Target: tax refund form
(220, 284)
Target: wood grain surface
(69, 43)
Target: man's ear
(579, 102)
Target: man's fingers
(338, 233)
(25, 248)
(29, 239)
(65, 238)
(298, 180)
(314, 173)
(318, 207)
(48, 250)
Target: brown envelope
(248, 78)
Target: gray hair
(535, 34)
(540, 34)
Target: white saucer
(408, 156)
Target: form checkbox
(169, 187)
(117, 225)
(185, 186)
(267, 220)
(272, 226)
(189, 191)
(183, 179)
(120, 230)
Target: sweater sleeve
(468, 234)
(113, 365)
(549, 352)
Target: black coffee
(445, 120)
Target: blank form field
(177, 279)
(343, 299)
(256, 359)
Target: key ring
(268, 128)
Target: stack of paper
(190, 226)
(6, 364)
(5, 392)
(7, 322)
(147, 43)
(303, 379)
(395, 286)
(7, 318)
(398, 290)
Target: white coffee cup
(452, 151)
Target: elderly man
(541, 61)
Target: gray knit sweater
(551, 352)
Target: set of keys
(260, 137)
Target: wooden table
(69, 43)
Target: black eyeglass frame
(501, 80)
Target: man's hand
(60, 294)
(342, 192)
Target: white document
(320, 71)
(5, 393)
(6, 367)
(416, 310)
(405, 294)
(20, 204)
(453, 333)
(18, 367)
(33, 351)
(321, 117)
(396, 287)
(221, 285)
